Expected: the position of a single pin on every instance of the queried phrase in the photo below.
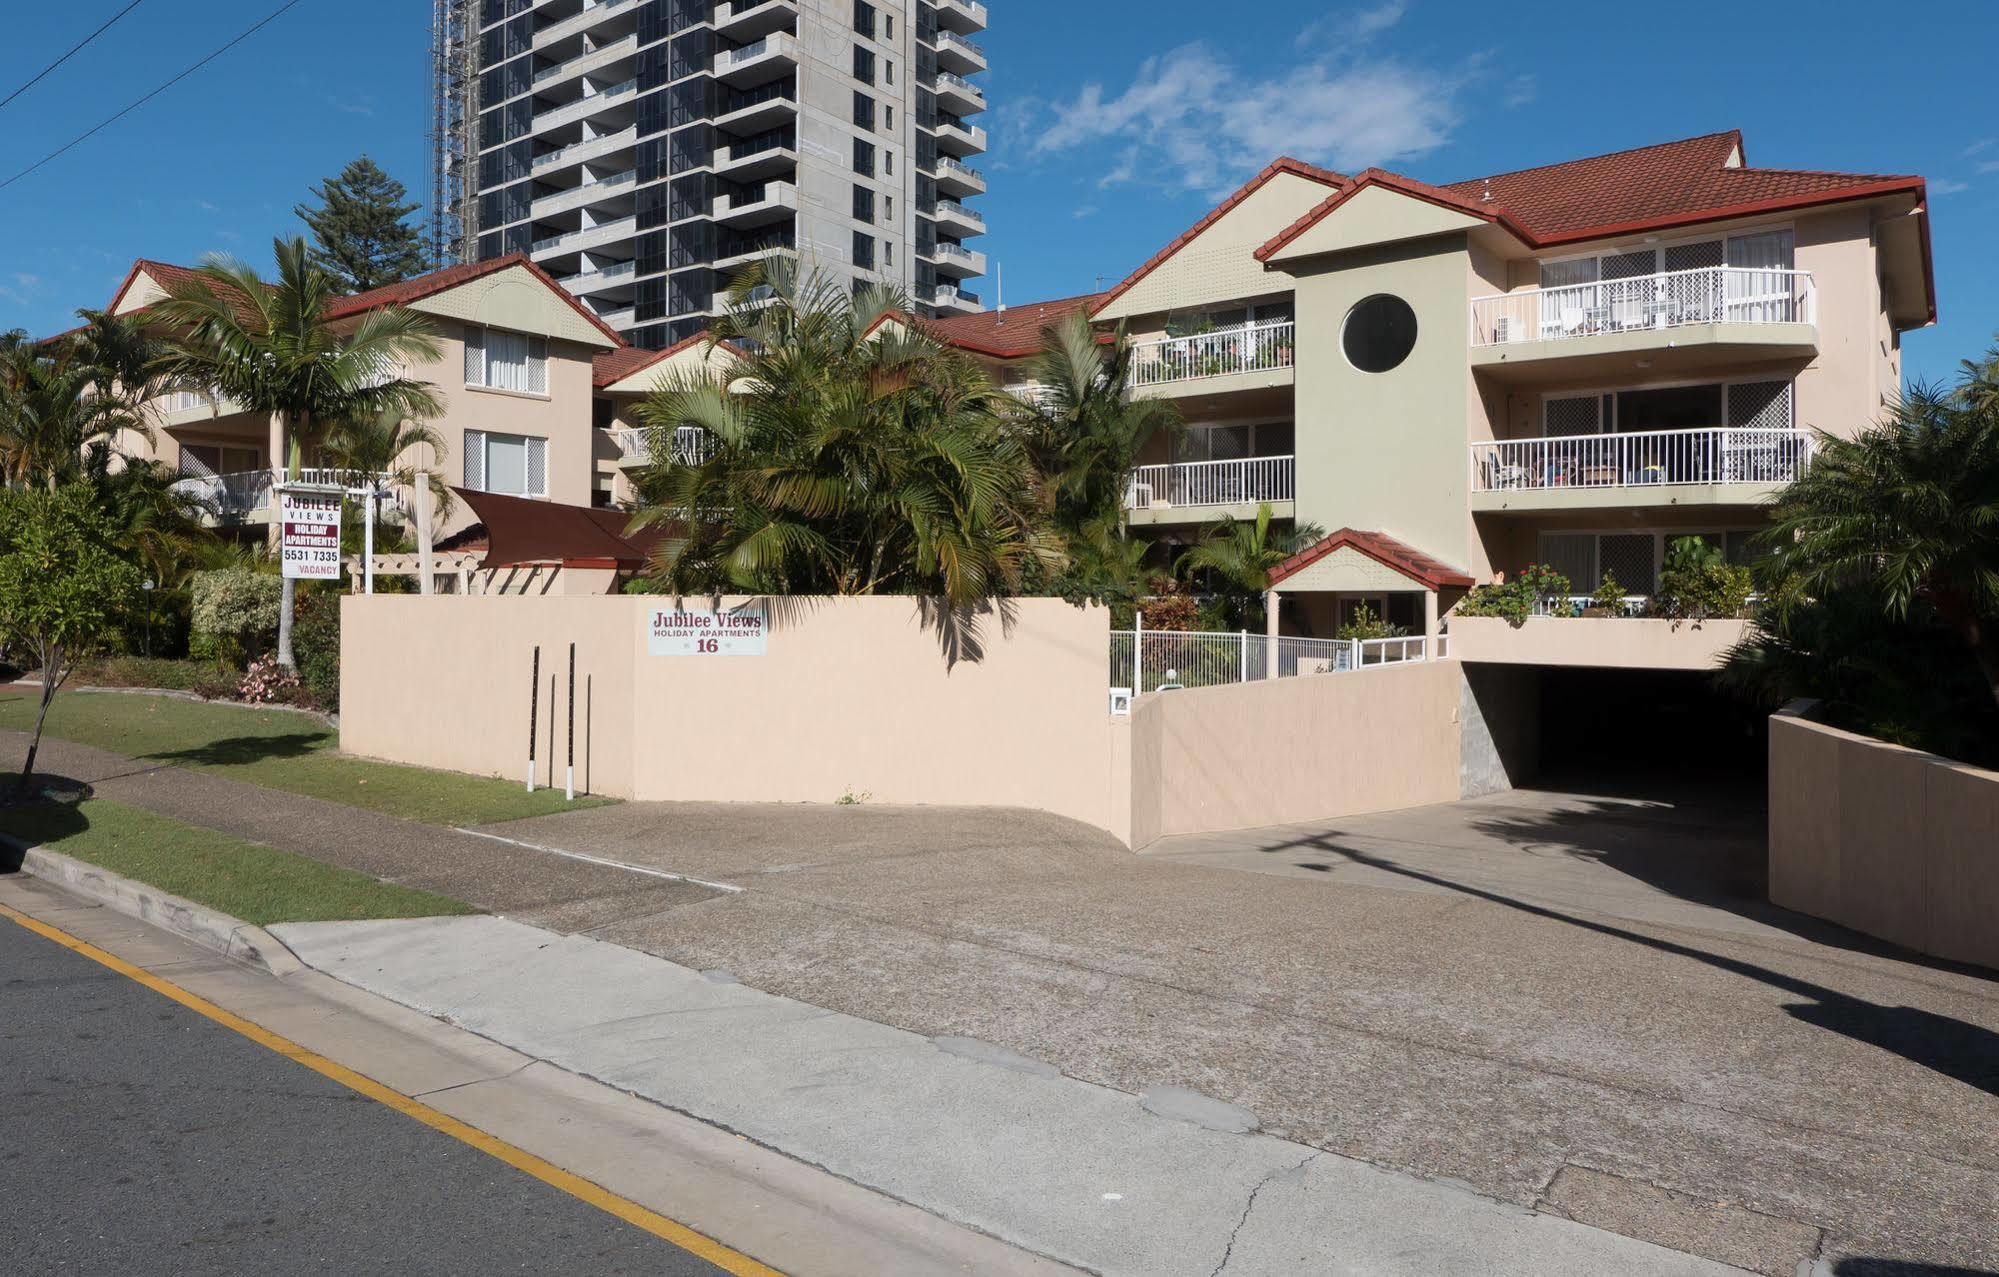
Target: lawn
(243, 879)
(280, 749)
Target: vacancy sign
(310, 543)
(686, 631)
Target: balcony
(952, 298)
(229, 498)
(584, 283)
(757, 157)
(768, 107)
(589, 148)
(965, 16)
(1730, 313)
(958, 137)
(576, 24)
(958, 95)
(954, 218)
(956, 53)
(1198, 491)
(188, 407)
(589, 60)
(588, 193)
(1260, 353)
(1738, 465)
(767, 59)
(752, 19)
(616, 96)
(773, 202)
(1609, 642)
(691, 446)
(954, 178)
(957, 261)
(587, 237)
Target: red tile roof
(1646, 188)
(1383, 549)
(437, 281)
(613, 366)
(1011, 334)
(1283, 164)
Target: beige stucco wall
(1609, 642)
(1294, 749)
(852, 695)
(1893, 842)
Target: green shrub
(1364, 625)
(1515, 600)
(1698, 582)
(141, 671)
(1609, 595)
(235, 615)
(316, 646)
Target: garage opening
(1650, 733)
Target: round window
(1380, 332)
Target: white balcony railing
(1148, 660)
(1673, 299)
(603, 230)
(229, 495)
(1740, 454)
(1246, 348)
(1247, 481)
(691, 445)
(951, 80)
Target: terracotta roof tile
(437, 281)
(1382, 548)
(1012, 334)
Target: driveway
(1570, 1002)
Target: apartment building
(513, 376)
(643, 151)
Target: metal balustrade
(1212, 483)
(613, 230)
(691, 445)
(1151, 660)
(228, 494)
(1225, 351)
(1732, 454)
(1670, 299)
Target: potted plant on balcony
(1283, 352)
(1608, 599)
(1698, 583)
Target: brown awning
(520, 531)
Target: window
(888, 71)
(506, 361)
(864, 158)
(888, 26)
(888, 209)
(864, 110)
(516, 465)
(888, 253)
(1379, 333)
(888, 118)
(864, 18)
(864, 65)
(888, 162)
(864, 204)
(864, 250)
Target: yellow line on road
(520, 1159)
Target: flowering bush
(267, 683)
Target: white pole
(425, 584)
(1242, 642)
(1137, 652)
(368, 543)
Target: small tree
(64, 587)
(359, 233)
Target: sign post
(309, 535)
(694, 630)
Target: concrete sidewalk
(1005, 1144)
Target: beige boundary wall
(1889, 841)
(854, 696)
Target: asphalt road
(138, 1136)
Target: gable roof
(1680, 183)
(1383, 549)
(1012, 333)
(610, 367)
(1282, 164)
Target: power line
(66, 57)
(268, 18)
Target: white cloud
(1520, 90)
(27, 281)
(1988, 166)
(1944, 186)
(1087, 210)
(207, 206)
(1353, 27)
(1191, 120)
(1982, 144)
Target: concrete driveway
(1570, 1002)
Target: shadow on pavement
(1870, 1266)
(1967, 1052)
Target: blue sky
(1116, 122)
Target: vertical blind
(516, 465)
(506, 361)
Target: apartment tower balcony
(748, 20)
(1718, 466)
(1202, 491)
(1242, 357)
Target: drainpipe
(1270, 601)
(423, 557)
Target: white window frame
(1608, 424)
(1661, 538)
(478, 467)
(478, 366)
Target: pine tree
(359, 233)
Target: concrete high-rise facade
(643, 151)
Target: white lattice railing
(1147, 660)
(691, 445)
(1735, 454)
(1212, 483)
(229, 494)
(1245, 348)
(1671, 299)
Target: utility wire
(66, 57)
(78, 140)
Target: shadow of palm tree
(237, 750)
(35, 823)
(1967, 1052)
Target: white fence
(1714, 455)
(1148, 660)
(1211, 483)
(1671, 299)
(229, 494)
(691, 445)
(1245, 348)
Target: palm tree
(270, 348)
(386, 443)
(1909, 511)
(53, 408)
(157, 521)
(847, 458)
(1239, 557)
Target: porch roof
(1420, 568)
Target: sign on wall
(309, 542)
(704, 631)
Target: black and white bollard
(534, 710)
(569, 771)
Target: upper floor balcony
(228, 498)
(959, 301)
(1259, 354)
(954, 218)
(590, 148)
(592, 16)
(587, 237)
(758, 206)
(956, 261)
(964, 16)
(593, 279)
(1723, 465)
(954, 178)
(1201, 491)
(594, 190)
(773, 56)
(592, 59)
(956, 53)
(959, 137)
(691, 446)
(958, 95)
(753, 19)
(1724, 313)
(618, 97)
